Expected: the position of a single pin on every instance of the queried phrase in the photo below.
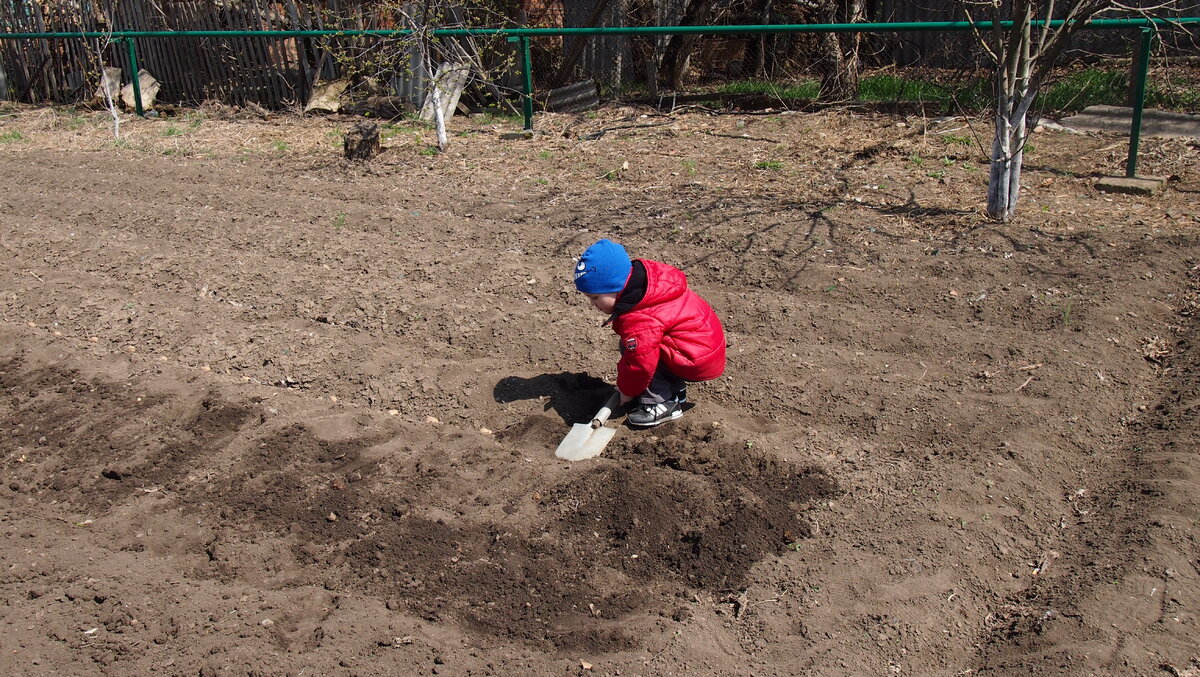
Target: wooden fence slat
(177, 78)
(266, 55)
(210, 68)
(303, 72)
(269, 54)
(222, 73)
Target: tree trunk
(1022, 65)
(1014, 95)
(838, 63)
(1004, 178)
(760, 61)
(361, 143)
(679, 49)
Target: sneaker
(681, 395)
(647, 415)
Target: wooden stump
(362, 142)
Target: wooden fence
(272, 72)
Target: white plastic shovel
(586, 440)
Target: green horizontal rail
(899, 27)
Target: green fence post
(137, 81)
(1141, 69)
(526, 79)
(527, 82)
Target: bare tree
(1024, 54)
(449, 63)
(109, 89)
(421, 26)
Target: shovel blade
(583, 441)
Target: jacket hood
(663, 283)
(649, 283)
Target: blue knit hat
(603, 269)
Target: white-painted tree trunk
(439, 118)
(1014, 95)
(1024, 58)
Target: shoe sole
(674, 415)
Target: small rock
(585, 665)
(485, 431)
(332, 517)
(432, 419)
(266, 623)
(393, 412)
(131, 349)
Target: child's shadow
(574, 397)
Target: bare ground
(266, 413)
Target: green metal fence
(521, 36)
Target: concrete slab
(1138, 185)
(1118, 119)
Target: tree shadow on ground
(574, 397)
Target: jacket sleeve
(640, 340)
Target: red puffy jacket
(660, 320)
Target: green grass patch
(1089, 87)
(970, 94)
(1174, 93)
(12, 136)
(806, 89)
(1097, 86)
(493, 116)
(773, 165)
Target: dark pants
(662, 387)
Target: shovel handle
(601, 417)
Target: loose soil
(269, 413)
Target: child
(669, 335)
